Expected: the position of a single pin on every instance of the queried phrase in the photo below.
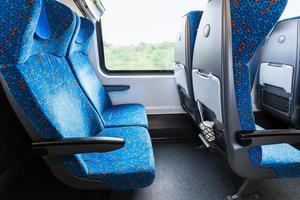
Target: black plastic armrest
(69, 146)
(116, 88)
(267, 137)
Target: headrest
(83, 36)
(251, 23)
(42, 29)
(62, 24)
(18, 20)
(28, 33)
(184, 46)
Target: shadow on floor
(183, 172)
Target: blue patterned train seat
(34, 39)
(251, 23)
(111, 115)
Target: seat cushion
(125, 115)
(283, 159)
(130, 167)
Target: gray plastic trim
(208, 48)
(63, 175)
(278, 75)
(282, 52)
(180, 54)
(208, 92)
(116, 88)
(180, 77)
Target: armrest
(267, 137)
(69, 146)
(116, 88)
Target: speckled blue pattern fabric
(88, 80)
(251, 22)
(21, 25)
(43, 86)
(111, 115)
(83, 36)
(46, 90)
(125, 115)
(194, 20)
(82, 68)
(131, 165)
(283, 159)
(41, 82)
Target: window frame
(105, 70)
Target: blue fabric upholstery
(124, 115)
(130, 167)
(43, 86)
(194, 20)
(42, 30)
(251, 22)
(111, 115)
(39, 101)
(283, 159)
(21, 24)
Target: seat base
(244, 193)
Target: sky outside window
(150, 21)
(292, 9)
(140, 34)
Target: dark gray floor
(183, 172)
(187, 173)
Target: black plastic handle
(246, 138)
(69, 146)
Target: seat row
(44, 68)
(213, 71)
(272, 69)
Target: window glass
(292, 9)
(140, 34)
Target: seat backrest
(251, 23)
(279, 71)
(38, 80)
(184, 48)
(36, 73)
(83, 69)
(229, 33)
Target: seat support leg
(243, 193)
